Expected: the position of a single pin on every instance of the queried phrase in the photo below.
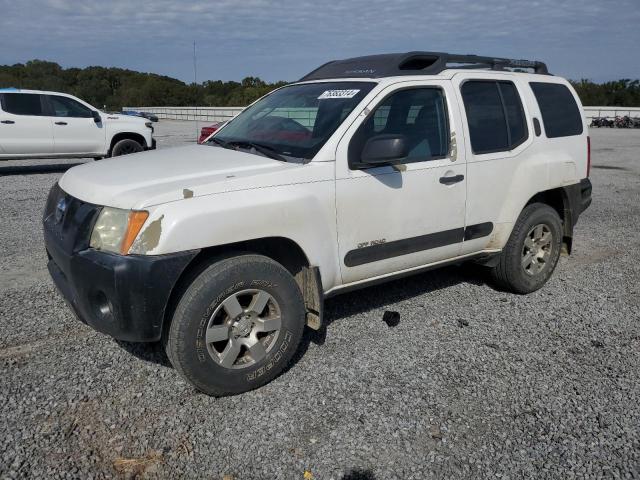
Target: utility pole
(195, 86)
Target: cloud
(285, 39)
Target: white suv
(35, 124)
(365, 170)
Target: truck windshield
(295, 121)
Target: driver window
(67, 107)
(419, 114)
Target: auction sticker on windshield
(338, 94)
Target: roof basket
(416, 63)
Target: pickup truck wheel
(532, 252)
(236, 326)
(125, 147)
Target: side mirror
(96, 116)
(384, 150)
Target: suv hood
(154, 177)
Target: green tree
(117, 87)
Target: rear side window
(560, 113)
(515, 114)
(494, 114)
(22, 103)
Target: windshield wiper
(217, 141)
(263, 149)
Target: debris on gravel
(392, 319)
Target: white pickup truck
(35, 124)
(365, 170)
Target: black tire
(509, 273)
(125, 147)
(202, 303)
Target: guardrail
(222, 114)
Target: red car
(205, 132)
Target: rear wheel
(532, 252)
(236, 326)
(125, 147)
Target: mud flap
(313, 296)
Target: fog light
(101, 306)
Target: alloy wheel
(243, 328)
(537, 249)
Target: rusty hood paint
(152, 178)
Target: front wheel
(125, 147)
(532, 252)
(236, 326)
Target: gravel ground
(470, 383)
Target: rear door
(74, 129)
(396, 218)
(503, 169)
(24, 128)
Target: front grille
(69, 221)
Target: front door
(394, 218)
(74, 129)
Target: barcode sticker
(338, 94)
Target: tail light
(206, 131)
(588, 155)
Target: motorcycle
(623, 122)
(601, 122)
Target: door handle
(8, 122)
(61, 123)
(536, 127)
(451, 180)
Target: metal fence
(307, 116)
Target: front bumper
(122, 296)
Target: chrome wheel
(537, 249)
(243, 328)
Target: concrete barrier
(205, 114)
(611, 112)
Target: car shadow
(348, 304)
(358, 474)
(608, 167)
(35, 169)
(149, 352)
(387, 294)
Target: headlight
(116, 229)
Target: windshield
(295, 121)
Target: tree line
(115, 88)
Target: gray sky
(284, 39)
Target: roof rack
(415, 63)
